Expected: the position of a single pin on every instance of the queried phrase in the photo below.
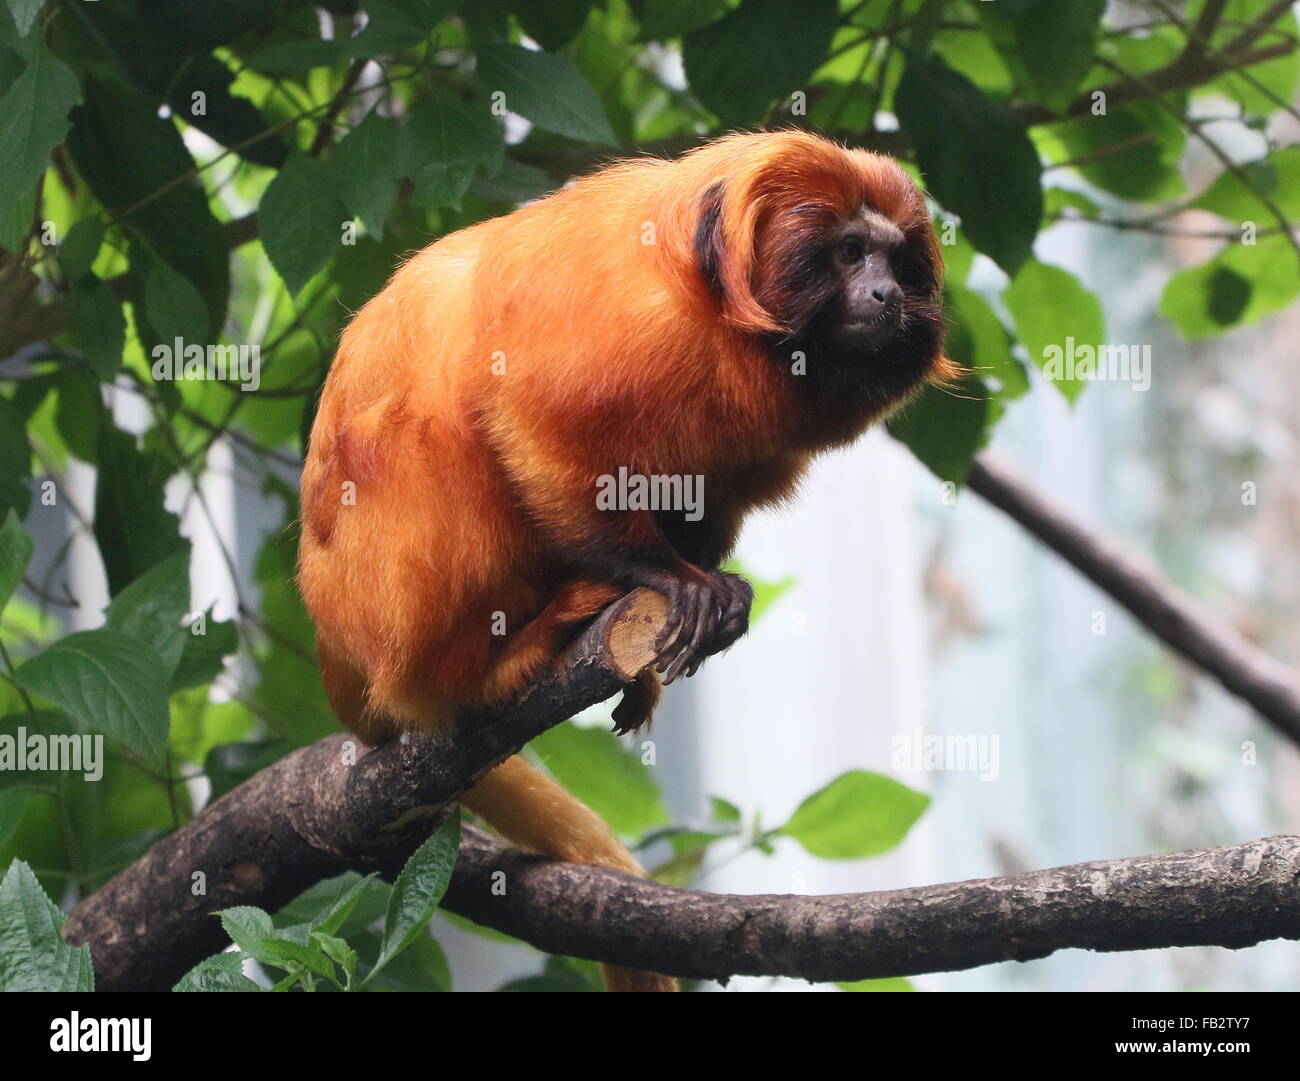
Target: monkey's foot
(707, 612)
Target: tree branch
(1160, 606)
(1234, 897)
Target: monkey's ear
(708, 237)
(724, 247)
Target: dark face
(861, 300)
(865, 311)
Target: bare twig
(1172, 616)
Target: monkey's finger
(672, 593)
(668, 652)
(687, 615)
(705, 633)
(686, 646)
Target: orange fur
(449, 487)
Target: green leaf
(399, 24)
(1225, 295)
(293, 56)
(946, 426)
(552, 23)
(176, 309)
(1050, 307)
(133, 528)
(1048, 45)
(858, 814)
(285, 954)
(421, 967)
(689, 849)
(227, 118)
(1147, 168)
(33, 121)
(151, 608)
(129, 155)
(895, 984)
(46, 724)
(16, 219)
(97, 325)
(15, 553)
(546, 89)
(13, 809)
(516, 182)
(662, 19)
(364, 169)
(759, 52)
(80, 247)
(418, 890)
(1239, 286)
(109, 683)
(766, 593)
(1273, 270)
(300, 220)
(977, 336)
(247, 926)
(607, 776)
(561, 974)
(442, 145)
(342, 906)
(338, 906)
(1258, 88)
(203, 656)
(221, 972)
(1237, 198)
(1055, 200)
(24, 13)
(723, 810)
(336, 949)
(976, 158)
(33, 955)
(79, 410)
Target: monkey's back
(498, 373)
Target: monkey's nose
(889, 294)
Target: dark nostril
(887, 294)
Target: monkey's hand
(708, 611)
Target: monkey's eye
(851, 249)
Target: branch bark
(1170, 614)
(1233, 897)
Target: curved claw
(708, 612)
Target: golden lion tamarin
(727, 315)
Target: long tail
(530, 809)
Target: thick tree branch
(1271, 687)
(330, 807)
(1236, 896)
